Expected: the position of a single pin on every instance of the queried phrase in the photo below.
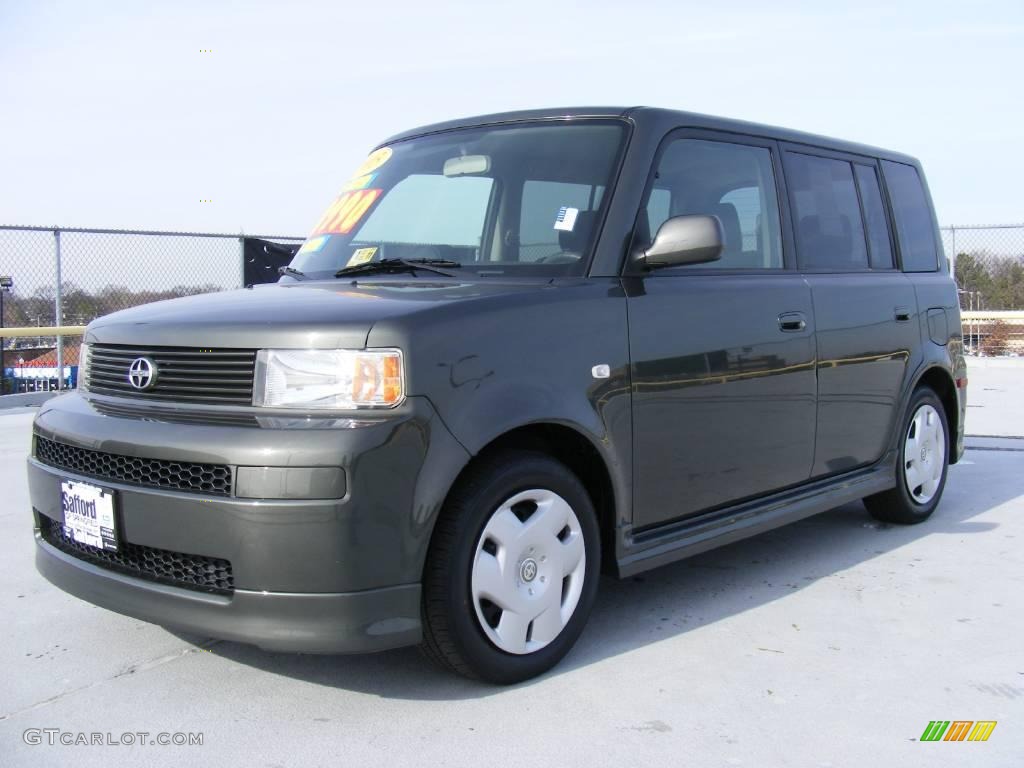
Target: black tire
(452, 633)
(898, 505)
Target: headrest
(829, 242)
(726, 213)
(576, 240)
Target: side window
(879, 245)
(658, 209)
(542, 201)
(734, 182)
(826, 213)
(747, 204)
(913, 217)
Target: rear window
(829, 229)
(874, 217)
(914, 225)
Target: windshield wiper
(292, 273)
(400, 265)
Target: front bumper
(352, 622)
(320, 575)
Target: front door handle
(792, 322)
(902, 314)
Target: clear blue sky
(111, 115)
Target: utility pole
(6, 283)
(58, 312)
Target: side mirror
(685, 240)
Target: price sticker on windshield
(373, 161)
(360, 182)
(345, 212)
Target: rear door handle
(792, 322)
(902, 314)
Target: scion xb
(516, 352)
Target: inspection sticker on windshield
(88, 514)
(314, 244)
(346, 211)
(566, 218)
(361, 256)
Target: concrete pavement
(832, 642)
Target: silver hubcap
(528, 571)
(924, 454)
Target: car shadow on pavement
(677, 598)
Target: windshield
(520, 200)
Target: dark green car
(517, 351)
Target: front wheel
(923, 463)
(512, 570)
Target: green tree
(1007, 286)
(972, 273)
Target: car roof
(667, 117)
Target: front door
(723, 354)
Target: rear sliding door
(865, 308)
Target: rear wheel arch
(921, 464)
(940, 381)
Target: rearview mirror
(467, 165)
(686, 240)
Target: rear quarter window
(914, 225)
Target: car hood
(329, 314)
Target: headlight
(329, 378)
(83, 368)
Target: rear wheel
(923, 463)
(512, 570)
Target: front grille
(147, 412)
(204, 574)
(183, 374)
(212, 479)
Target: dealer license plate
(89, 514)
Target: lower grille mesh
(174, 475)
(197, 572)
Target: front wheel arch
(574, 449)
(453, 631)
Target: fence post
(241, 261)
(3, 368)
(58, 309)
(952, 261)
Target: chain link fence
(68, 276)
(988, 263)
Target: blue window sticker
(314, 244)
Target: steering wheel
(561, 257)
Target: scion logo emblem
(142, 373)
